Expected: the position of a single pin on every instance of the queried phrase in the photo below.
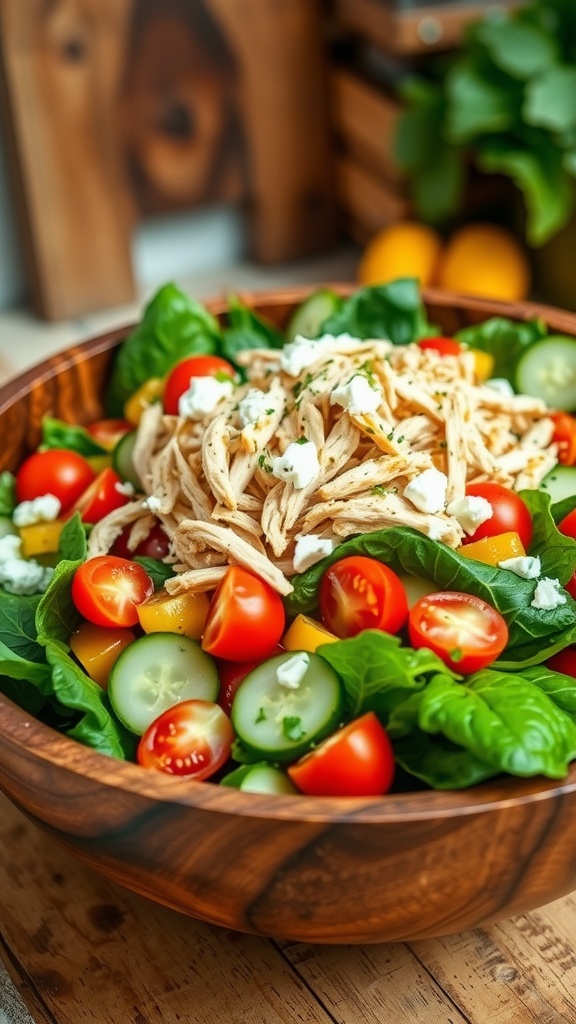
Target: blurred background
(244, 144)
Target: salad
(338, 560)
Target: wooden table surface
(75, 948)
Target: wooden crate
(119, 108)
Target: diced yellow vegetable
(483, 364)
(492, 550)
(40, 538)
(97, 648)
(306, 635)
(148, 392)
(99, 462)
(174, 613)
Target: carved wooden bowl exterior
(400, 867)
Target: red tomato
(231, 674)
(155, 545)
(178, 380)
(355, 761)
(443, 346)
(191, 740)
(107, 590)
(565, 437)
(359, 593)
(466, 632)
(246, 617)
(564, 661)
(100, 498)
(57, 471)
(567, 526)
(108, 432)
(509, 513)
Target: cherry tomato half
(191, 740)
(100, 498)
(57, 471)
(443, 346)
(107, 590)
(108, 432)
(565, 437)
(564, 661)
(355, 761)
(509, 513)
(178, 380)
(246, 617)
(359, 593)
(465, 631)
(567, 526)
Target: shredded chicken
(214, 485)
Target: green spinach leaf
(503, 339)
(394, 311)
(57, 434)
(247, 330)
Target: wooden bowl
(400, 867)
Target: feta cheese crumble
(470, 512)
(291, 673)
(44, 509)
(203, 396)
(299, 465)
(427, 491)
(548, 594)
(358, 396)
(19, 575)
(152, 503)
(309, 550)
(526, 566)
(253, 406)
(501, 385)
(301, 352)
(126, 488)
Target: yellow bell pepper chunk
(492, 550)
(174, 613)
(97, 648)
(148, 393)
(483, 364)
(306, 635)
(40, 538)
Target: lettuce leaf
(503, 339)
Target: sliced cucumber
(560, 483)
(156, 672)
(122, 459)
(278, 723)
(309, 316)
(547, 370)
(259, 778)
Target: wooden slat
(284, 100)
(364, 118)
(61, 63)
(419, 30)
(365, 199)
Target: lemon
(485, 260)
(403, 249)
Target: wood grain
(336, 871)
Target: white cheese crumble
(291, 673)
(301, 352)
(18, 575)
(470, 512)
(299, 465)
(501, 385)
(427, 491)
(309, 550)
(44, 509)
(526, 566)
(358, 396)
(548, 594)
(152, 503)
(203, 396)
(253, 406)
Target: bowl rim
(24, 733)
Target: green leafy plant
(505, 103)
